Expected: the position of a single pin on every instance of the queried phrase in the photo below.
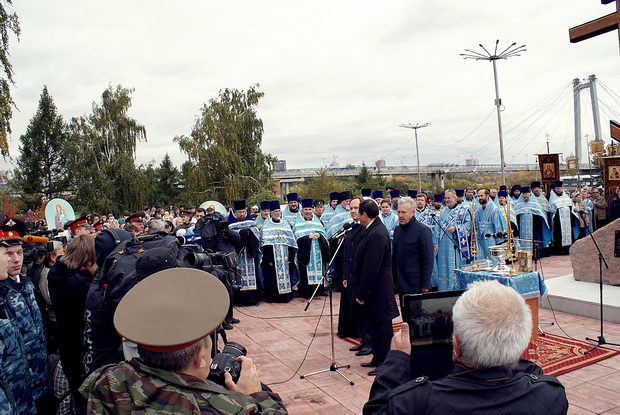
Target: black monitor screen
(430, 317)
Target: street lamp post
(509, 52)
(417, 151)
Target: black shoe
(368, 364)
(235, 321)
(357, 348)
(373, 372)
(227, 326)
(364, 352)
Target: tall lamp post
(509, 52)
(417, 151)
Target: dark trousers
(381, 337)
(229, 314)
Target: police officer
(175, 359)
(19, 306)
(135, 223)
(79, 226)
(492, 328)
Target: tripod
(600, 341)
(334, 366)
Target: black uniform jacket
(523, 390)
(373, 276)
(412, 257)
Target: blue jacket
(15, 393)
(20, 307)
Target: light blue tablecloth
(529, 284)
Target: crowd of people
(62, 299)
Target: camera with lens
(225, 361)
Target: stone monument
(584, 256)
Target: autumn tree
(8, 24)
(224, 149)
(101, 149)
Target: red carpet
(555, 354)
(558, 355)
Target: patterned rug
(556, 355)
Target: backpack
(115, 278)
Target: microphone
(430, 214)
(345, 228)
(35, 239)
(496, 235)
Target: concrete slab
(582, 298)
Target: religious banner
(549, 169)
(597, 147)
(611, 175)
(217, 206)
(57, 213)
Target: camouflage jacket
(20, 307)
(15, 394)
(135, 388)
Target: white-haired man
(492, 327)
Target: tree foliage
(102, 149)
(319, 187)
(365, 179)
(224, 149)
(42, 163)
(162, 188)
(8, 24)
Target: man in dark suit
(412, 252)
(374, 297)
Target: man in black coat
(492, 328)
(348, 325)
(412, 252)
(374, 296)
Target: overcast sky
(338, 76)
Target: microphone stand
(334, 366)
(601, 261)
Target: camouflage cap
(172, 309)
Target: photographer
(176, 357)
(492, 328)
(217, 237)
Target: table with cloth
(530, 285)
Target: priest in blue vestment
(291, 210)
(248, 253)
(564, 222)
(312, 250)
(278, 262)
(451, 242)
(533, 224)
(377, 195)
(330, 209)
(488, 220)
(422, 211)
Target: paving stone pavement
(277, 337)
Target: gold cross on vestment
(597, 26)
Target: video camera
(222, 265)
(34, 248)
